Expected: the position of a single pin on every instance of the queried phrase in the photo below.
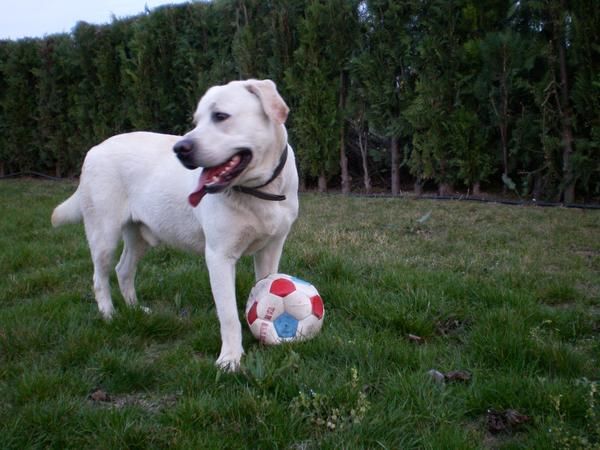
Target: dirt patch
(147, 402)
(451, 326)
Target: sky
(37, 18)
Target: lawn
(448, 325)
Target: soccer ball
(282, 308)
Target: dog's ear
(274, 106)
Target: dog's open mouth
(217, 178)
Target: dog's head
(238, 137)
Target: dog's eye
(219, 116)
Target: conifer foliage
(458, 95)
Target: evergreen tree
(437, 92)
(177, 53)
(560, 17)
(503, 87)
(266, 36)
(85, 101)
(56, 81)
(111, 53)
(552, 23)
(318, 79)
(383, 72)
(585, 61)
(5, 48)
(20, 145)
(152, 74)
(203, 52)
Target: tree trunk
(503, 119)
(344, 163)
(477, 189)
(565, 111)
(322, 183)
(567, 129)
(568, 177)
(445, 189)
(504, 144)
(364, 148)
(343, 157)
(395, 165)
(537, 187)
(418, 187)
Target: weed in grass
(568, 438)
(322, 410)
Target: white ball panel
(308, 289)
(309, 327)
(270, 307)
(264, 331)
(298, 305)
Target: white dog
(236, 195)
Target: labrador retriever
(227, 188)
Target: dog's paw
(144, 309)
(107, 314)
(229, 362)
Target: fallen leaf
(496, 422)
(424, 218)
(457, 375)
(437, 376)
(416, 339)
(451, 325)
(505, 421)
(515, 418)
(98, 395)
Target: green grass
(510, 294)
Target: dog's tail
(68, 211)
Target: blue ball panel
(300, 281)
(286, 326)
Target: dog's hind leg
(103, 239)
(133, 249)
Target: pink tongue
(200, 191)
(195, 197)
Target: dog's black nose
(184, 150)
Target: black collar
(265, 195)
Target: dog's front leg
(266, 261)
(221, 271)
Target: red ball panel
(317, 306)
(282, 287)
(252, 315)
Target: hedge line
(384, 94)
